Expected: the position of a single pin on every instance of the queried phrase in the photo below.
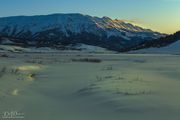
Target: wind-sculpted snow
(72, 86)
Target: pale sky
(158, 15)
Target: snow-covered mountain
(64, 29)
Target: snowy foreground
(78, 86)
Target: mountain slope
(173, 48)
(169, 44)
(160, 42)
(63, 29)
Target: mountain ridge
(63, 29)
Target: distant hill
(168, 44)
(161, 42)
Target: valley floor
(64, 86)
